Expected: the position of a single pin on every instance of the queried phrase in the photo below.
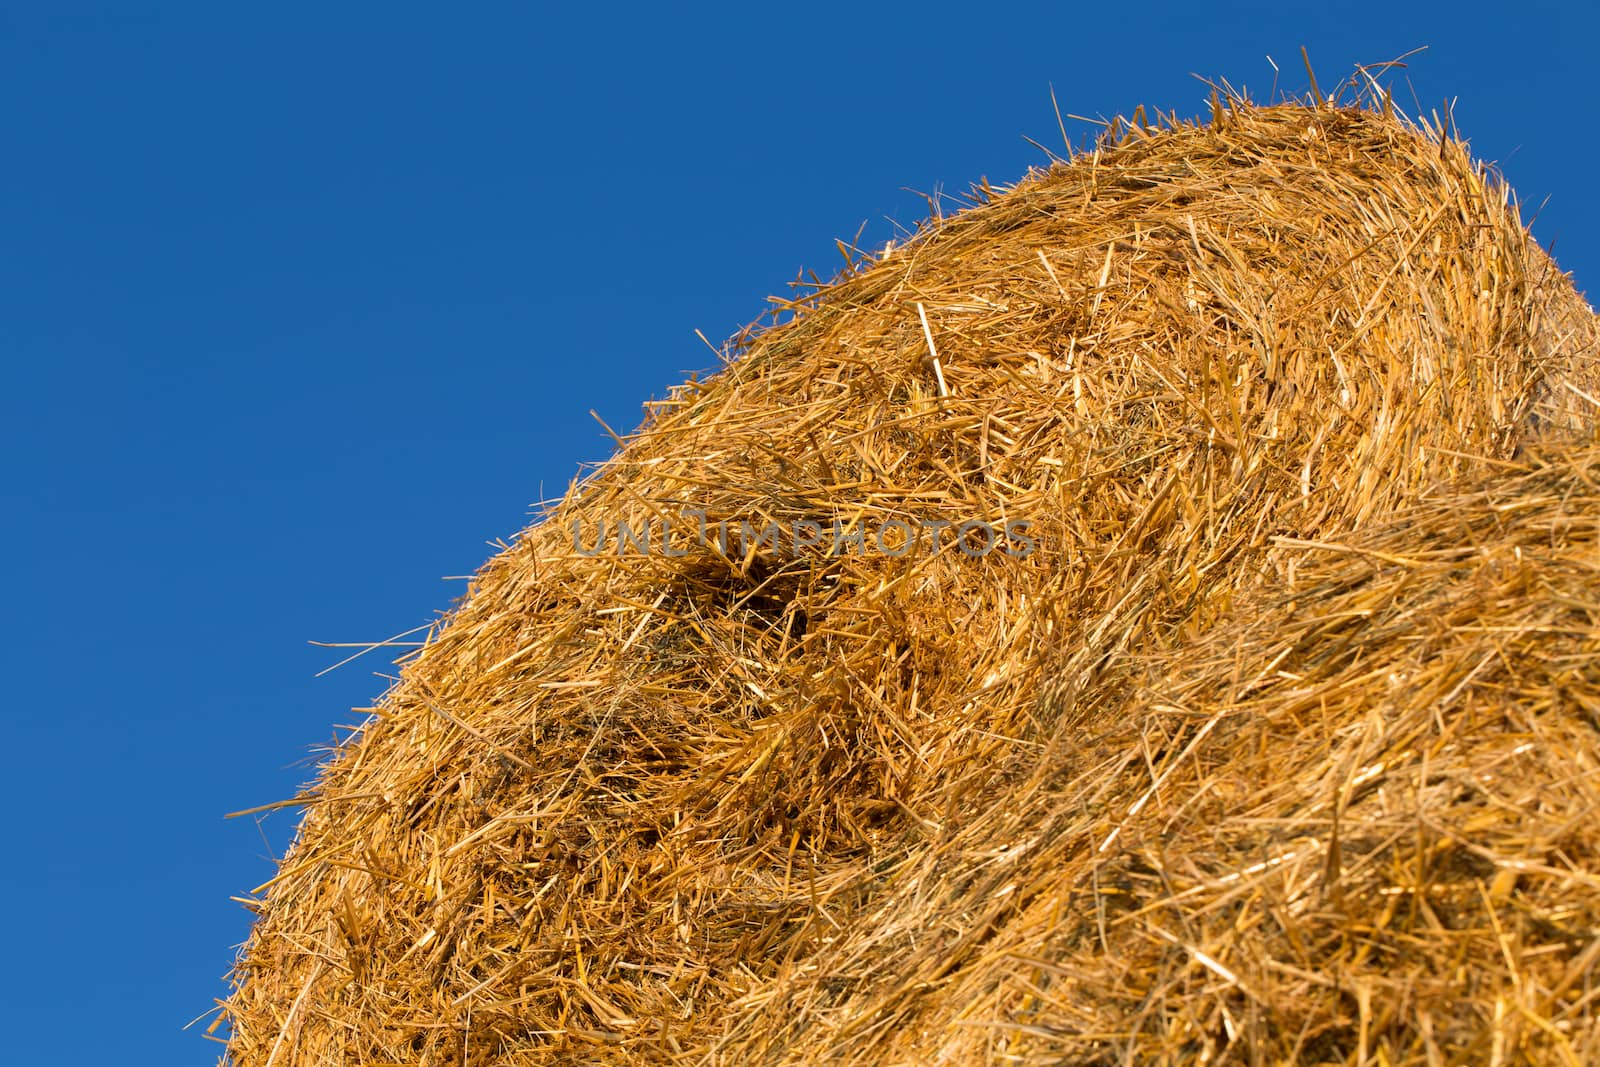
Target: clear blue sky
(301, 309)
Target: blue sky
(302, 309)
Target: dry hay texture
(1281, 746)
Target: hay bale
(1268, 725)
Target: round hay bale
(1150, 614)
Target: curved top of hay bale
(1247, 705)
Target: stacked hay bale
(1151, 616)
